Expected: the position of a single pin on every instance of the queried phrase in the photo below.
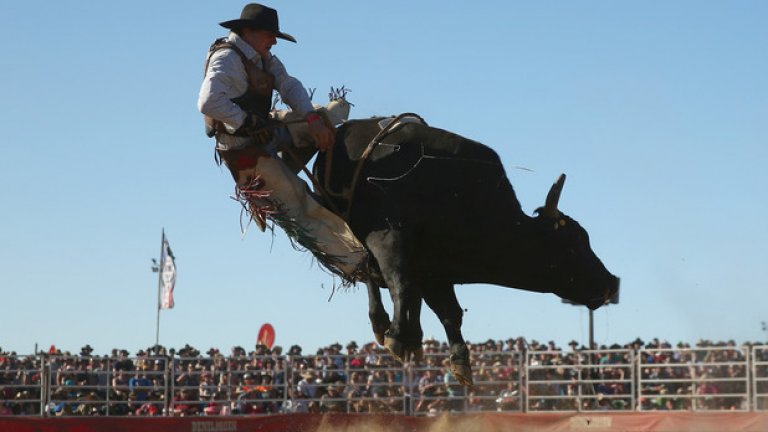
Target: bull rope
(325, 190)
(349, 194)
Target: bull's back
(444, 192)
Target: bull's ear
(550, 205)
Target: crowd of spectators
(717, 373)
(508, 375)
(707, 376)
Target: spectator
(431, 390)
(268, 393)
(120, 385)
(190, 378)
(296, 403)
(86, 351)
(356, 392)
(352, 349)
(148, 409)
(207, 388)
(184, 404)
(122, 362)
(371, 355)
(454, 391)
(278, 373)
(248, 394)
(139, 387)
(156, 372)
(247, 384)
(308, 384)
(333, 400)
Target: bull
(435, 209)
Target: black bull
(435, 209)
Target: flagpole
(159, 286)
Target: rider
(236, 99)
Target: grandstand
(512, 377)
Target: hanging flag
(167, 276)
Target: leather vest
(257, 99)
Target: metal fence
(594, 380)
(759, 375)
(694, 379)
(681, 379)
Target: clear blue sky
(656, 110)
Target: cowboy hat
(308, 374)
(258, 16)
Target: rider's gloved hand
(250, 124)
(256, 128)
(322, 134)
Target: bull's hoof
(395, 347)
(463, 374)
(401, 352)
(380, 324)
(460, 366)
(378, 332)
(414, 354)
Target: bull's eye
(562, 222)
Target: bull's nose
(613, 292)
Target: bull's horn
(550, 205)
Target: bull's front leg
(376, 313)
(403, 338)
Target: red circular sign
(266, 336)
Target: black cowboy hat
(258, 16)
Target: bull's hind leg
(376, 313)
(441, 298)
(403, 338)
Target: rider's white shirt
(226, 78)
